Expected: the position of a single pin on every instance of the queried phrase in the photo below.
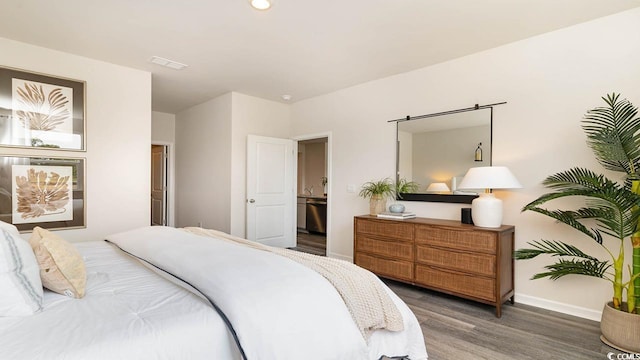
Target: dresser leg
(498, 310)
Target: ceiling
(299, 47)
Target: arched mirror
(435, 151)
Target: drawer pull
(449, 271)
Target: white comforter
(128, 312)
(278, 308)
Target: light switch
(351, 188)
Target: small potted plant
(403, 186)
(378, 192)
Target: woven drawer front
(391, 268)
(457, 283)
(383, 228)
(477, 241)
(394, 249)
(475, 263)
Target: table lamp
(486, 210)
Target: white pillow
(62, 269)
(20, 283)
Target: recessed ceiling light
(167, 63)
(286, 97)
(261, 4)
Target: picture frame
(40, 111)
(49, 192)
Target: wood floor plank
(456, 328)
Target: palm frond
(553, 248)
(578, 179)
(579, 264)
(594, 268)
(570, 218)
(613, 133)
(611, 205)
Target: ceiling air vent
(167, 63)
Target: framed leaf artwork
(41, 112)
(42, 191)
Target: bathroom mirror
(436, 150)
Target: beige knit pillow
(61, 266)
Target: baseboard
(340, 256)
(559, 307)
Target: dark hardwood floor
(456, 328)
(311, 243)
(460, 329)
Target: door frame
(171, 180)
(327, 135)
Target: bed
(165, 293)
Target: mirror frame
(445, 198)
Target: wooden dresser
(444, 255)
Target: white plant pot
(620, 329)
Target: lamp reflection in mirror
(486, 210)
(438, 188)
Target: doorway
(160, 195)
(312, 199)
(270, 180)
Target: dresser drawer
(483, 264)
(392, 249)
(397, 269)
(456, 282)
(381, 228)
(476, 241)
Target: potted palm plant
(610, 217)
(377, 192)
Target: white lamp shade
(486, 210)
(489, 177)
(438, 188)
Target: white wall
(163, 127)
(211, 147)
(255, 116)
(203, 164)
(549, 81)
(118, 125)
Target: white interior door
(270, 191)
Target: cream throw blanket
(367, 300)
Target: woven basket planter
(377, 204)
(620, 329)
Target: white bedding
(130, 312)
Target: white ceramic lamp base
(486, 211)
